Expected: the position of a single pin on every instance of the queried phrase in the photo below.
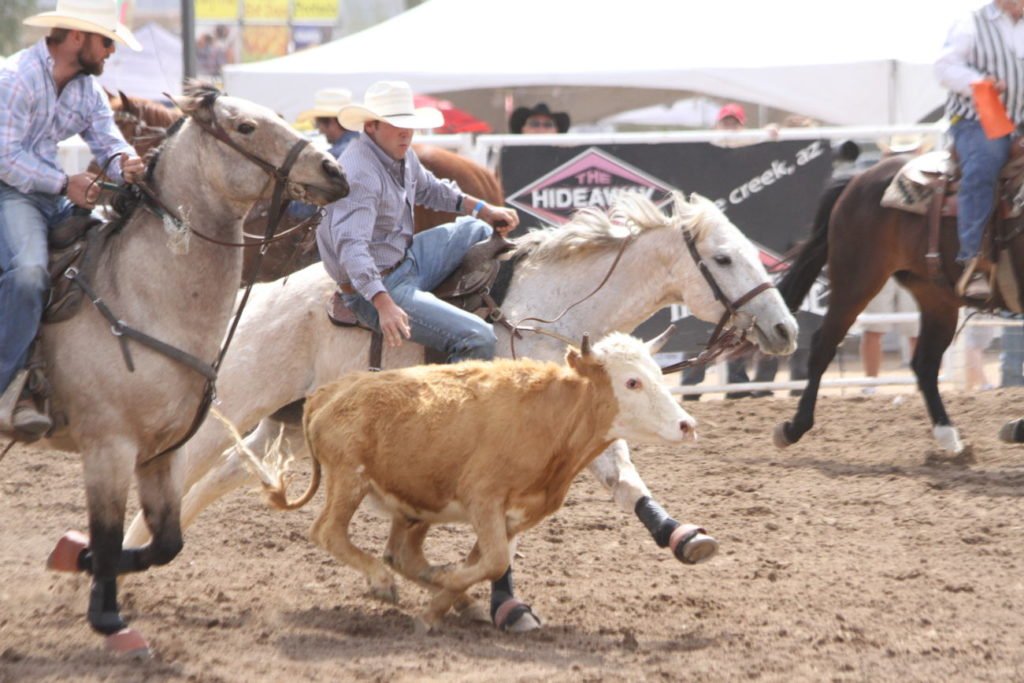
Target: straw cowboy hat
(90, 16)
(520, 114)
(906, 143)
(327, 102)
(390, 102)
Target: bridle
(722, 339)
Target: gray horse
(157, 278)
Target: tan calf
(493, 444)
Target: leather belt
(347, 288)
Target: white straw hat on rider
(390, 102)
(90, 16)
(327, 102)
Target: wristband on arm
(477, 209)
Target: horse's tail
(277, 493)
(812, 254)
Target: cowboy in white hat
(366, 240)
(50, 93)
(327, 102)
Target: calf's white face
(647, 412)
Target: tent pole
(188, 40)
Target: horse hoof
(691, 545)
(516, 617)
(1012, 431)
(779, 437)
(64, 557)
(128, 643)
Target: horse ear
(126, 103)
(192, 106)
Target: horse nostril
(783, 331)
(331, 169)
(685, 426)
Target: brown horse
(144, 125)
(864, 245)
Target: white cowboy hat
(90, 16)
(327, 102)
(390, 102)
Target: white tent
(149, 73)
(865, 62)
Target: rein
(514, 328)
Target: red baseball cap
(734, 110)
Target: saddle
(927, 185)
(469, 287)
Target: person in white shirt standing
(986, 45)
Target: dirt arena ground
(855, 555)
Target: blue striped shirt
(369, 230)
(33, 119)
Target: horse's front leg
(107, 472)
(616, 472)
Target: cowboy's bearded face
(93, 55)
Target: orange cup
(991, 111)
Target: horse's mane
(630, 214)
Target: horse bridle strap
(722, 339)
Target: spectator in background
(538, 120)
(1011, 359)
(327, 102)
(977, 339)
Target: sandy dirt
(855, 555)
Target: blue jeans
(980, 162)
(1011, 360)
(25, 220)
(433, 256)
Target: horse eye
(723, 260)
(246, 128)
(633, 383)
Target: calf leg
(614, 469)
(405, 554)
(345, 491)
(488, 560)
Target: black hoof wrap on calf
(656, 520)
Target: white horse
(181, 294)
(286, 347)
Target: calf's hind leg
(405, 554)
(345, 492)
